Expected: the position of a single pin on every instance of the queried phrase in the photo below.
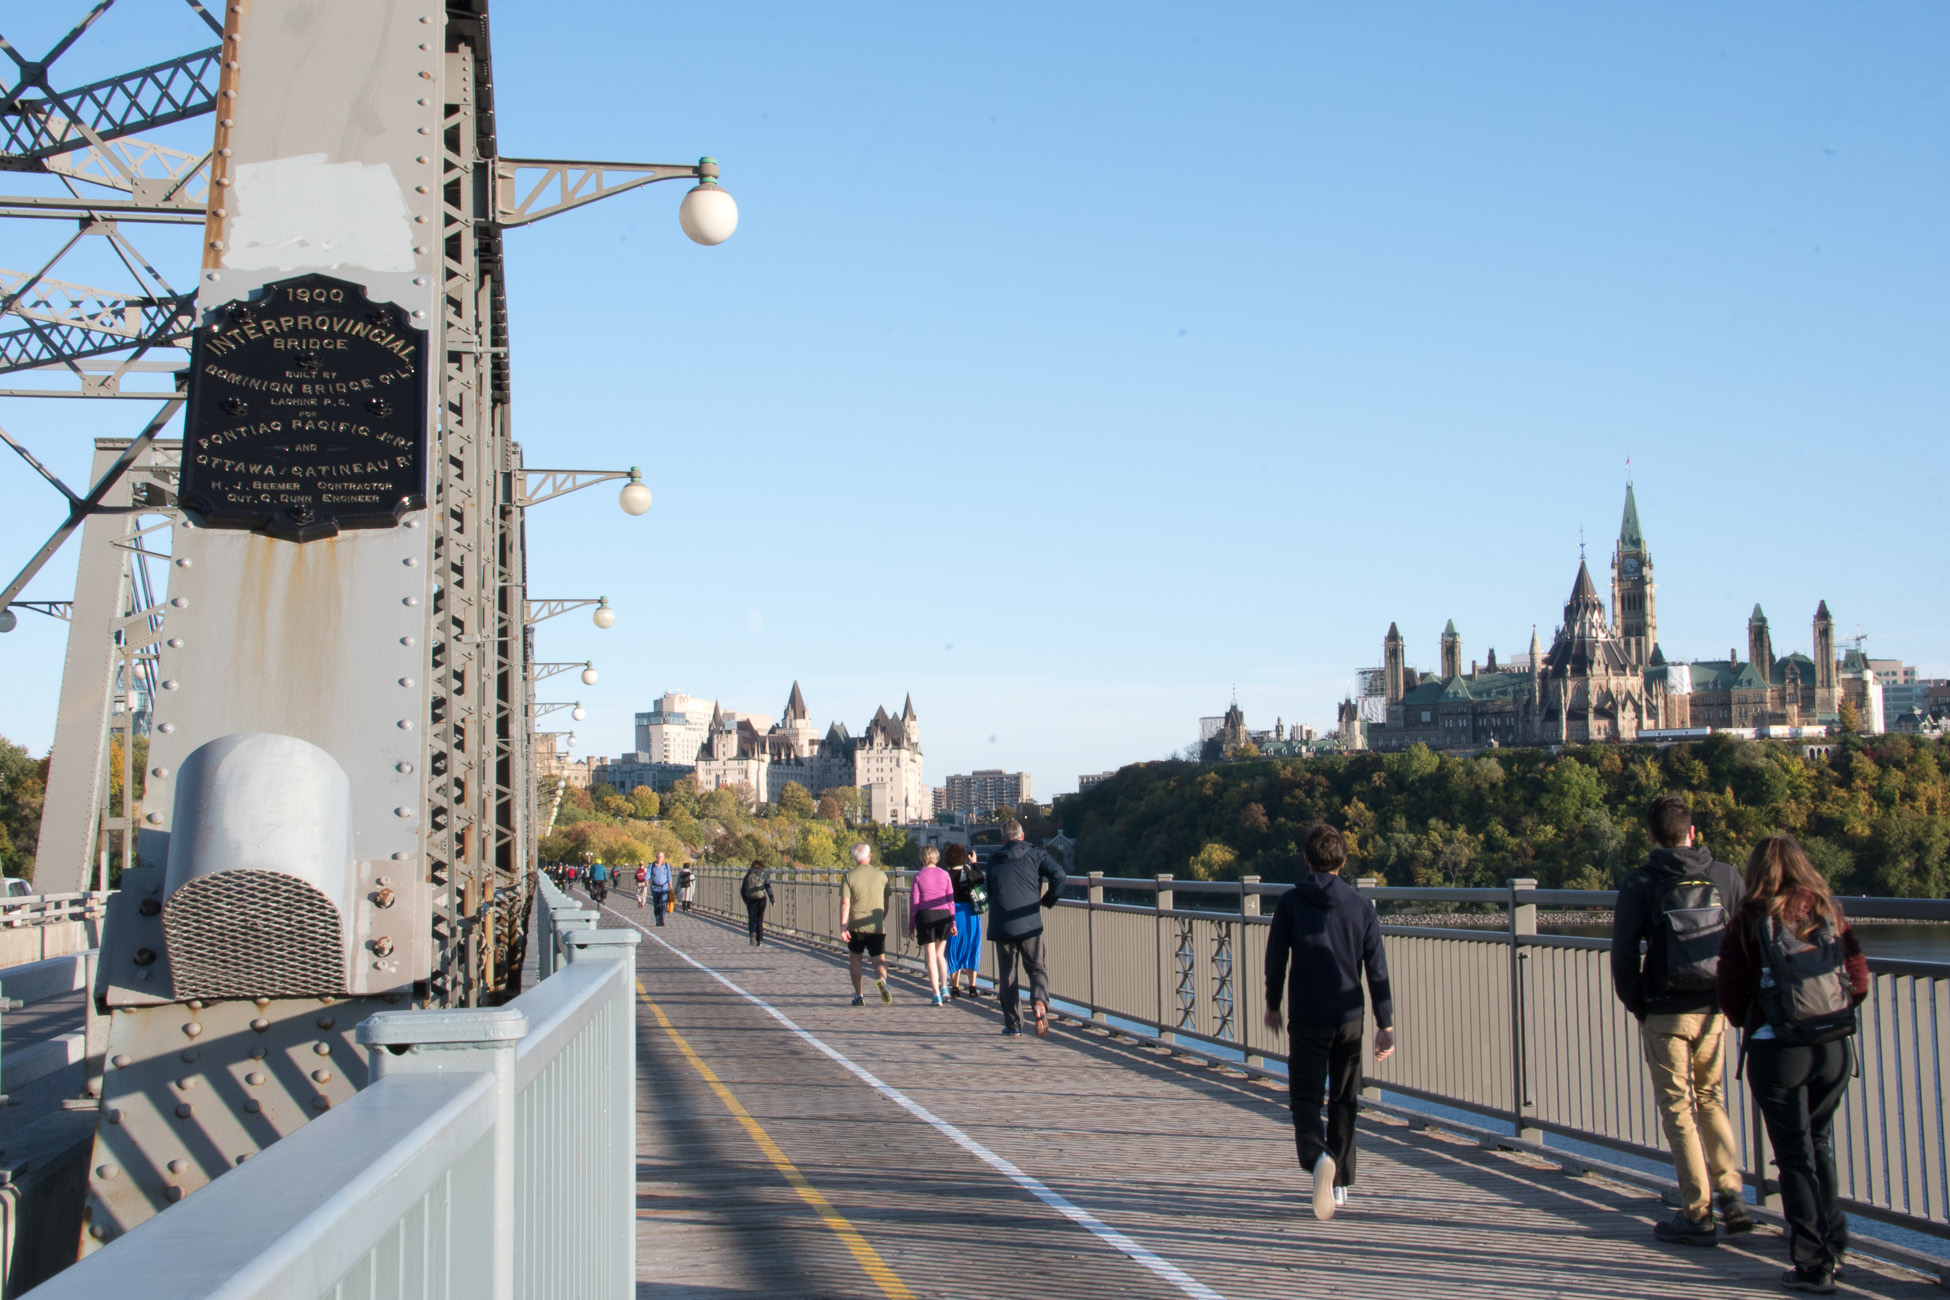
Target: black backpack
(1804, 991)
(753, 888)
(1686, 932)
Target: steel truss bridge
(330, 648)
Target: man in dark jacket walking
(1333, 937)
(1677, 905)
(1022, 881)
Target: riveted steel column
(469, 1042)
(1523, 923)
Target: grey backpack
(1804, 992)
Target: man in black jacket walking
(1333, 937)
(1678, 905)
(1022, 881)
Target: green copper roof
(1629, 536)
(1451, 629)
(1725, 675)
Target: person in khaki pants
(1676, 907)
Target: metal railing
(1505, 1023)
(40, 927)
(40, 981)
(492, 1155)
(41, 909)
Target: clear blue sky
(1074, 364)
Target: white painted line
(1083, 1218)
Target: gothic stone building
(1605, 676)
(884, 762)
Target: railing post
(1245, 982)
(1523, 922)
(1161, 903)
(1368, 1089)
(615, 1204)
(469, 1041)
(567, 926)
(558, 914)
(1094, 892)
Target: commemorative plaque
(307, 413)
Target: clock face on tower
(1631, 566)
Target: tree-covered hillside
(1874, 815)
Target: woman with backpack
(756, 890)
(686, 887)
(1791, 975)
(931, 909)
(971, 901)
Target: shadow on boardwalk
(1192, 1162)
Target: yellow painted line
(869, 1258)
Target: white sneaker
(1324, 1189)
(1340, 1198)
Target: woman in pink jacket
(931, 910)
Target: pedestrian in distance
(931, 908)
(598, 883)
(660, 887)
(1021, 881)
(1791, 974)
(686, 887)
(971, 902)
(1677, 907)
(642, 885)
(1323, 939)
(863, 921)
(756, 890)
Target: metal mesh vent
(253, 934)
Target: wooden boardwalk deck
(908, 1150)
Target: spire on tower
(1630, 538)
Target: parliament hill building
(1605, 677)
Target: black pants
(1798, 1090)
(1030, 949)
(1325, 1069)
(755, 919)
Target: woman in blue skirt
(971, 901)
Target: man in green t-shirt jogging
(863, 921)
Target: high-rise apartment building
(674, 730)
(987, 789)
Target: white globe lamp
(572, 740)
(588, 676)
(707, 214)
(634, 498)
(578, 713)
(604, 616)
